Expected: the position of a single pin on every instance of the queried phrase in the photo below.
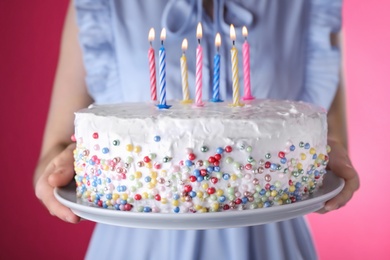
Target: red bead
(122, 176)
(146, 159)
(267, 186)
(228, 149)
(191, 156)
(157, 166)
(88, 183)
(211, 190)
(305, 189)
(212, 159)
(187, 188)
(281, 154)
(137, 197)
(193, 178)
(94, 158)
(95, 135)
(290, 182)
(238, 201)
(216, 163)
(218, 156)
(267, 164)
(214, 180)
(293, 199)
(128, 207)
(157, 197)
(203, 172)
(248, 166)
(226, 207)
(100, 203)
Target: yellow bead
(292, 188)
(182, 199)
(197, 207)
(312, 151)
(115, 196)
(274, 193)
(328, 149)
(137, 149)
(124, 196)
(219, 192)
(321, 157)
(199, 194)
(280, 202)
(205, 186)
(106, 167)
(145, 195)
(108, 202)
(260, 205)
(138, 174)
(93, 197)
(233, 177)
(129, 147)
(164, 200)
(299, 166)
(284, 196)
(215, 206)
(153, 174)
(149, 165)
(150, 185)
(153, 181)
(303, 156)
(175, 203)
(163, 173)
(203, 210)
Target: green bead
(133, 188)
(152, 156)
(301, 144)
(250, 159)
(218, 175)
(131, 177)
(116, 142)
(204, 149)
(166, 159)
(295, 173)
(230, 190)
(213, 197)
(229, 160)
(129, 159)
(268, 156)
(140, 208)
(249, 149)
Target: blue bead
(94, 184)
(105, 205)
(87, 178)
(197, 173)
(244, 200)
(272, 187)
(307, 145)
(220, 150)
(316, 173)
(108, 180)
(267, 204)
(176, 196)
(96, 201)
(292, 147)
(298, 185)
(99, 181)
(99, 171)
(119, 188)
(117, 207)
(109, 196)
(189, 163)
(148, 179)
(192, 194)
(217, 168)
(315, 156)
(283, 160)
(210, 169)
(157, 138)
(274, 166)
(176, 210)
(105, 150)
(124, 188)
(91, 162)
(226, 176)
(123, 202)
(147, 209)
(222, 198)
(262, 192)
(200, 178)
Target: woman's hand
(58, 172)
(340, 165)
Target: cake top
(252, 110)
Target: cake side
(185, 159)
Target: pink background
(30, 32)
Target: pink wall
(30, 33)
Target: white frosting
(257, 133)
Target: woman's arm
(55, 165)
(339, 161)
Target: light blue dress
(291, 58)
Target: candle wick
(162, 42)
(234, 42)
(217, 48)
(199, 41)
(150, 43)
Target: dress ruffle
(323, 59)
(97, 42)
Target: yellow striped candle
(184, 73)
(235, 77)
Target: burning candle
(184, 73)
(217, 61)
(162, 63)
(152, 66)
(247, 66)
(199, 62)
(234, 59)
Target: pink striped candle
(198, 72)
(247, 68)
(152, 66)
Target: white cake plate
(226, 219)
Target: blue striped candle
(162, 73)
(217, 61)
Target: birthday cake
(135, 157)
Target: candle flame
(199, 31)
(217, 40)
(184, 44)
(163, 34)
(232, 33)
(244, 31)
(151, 34)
